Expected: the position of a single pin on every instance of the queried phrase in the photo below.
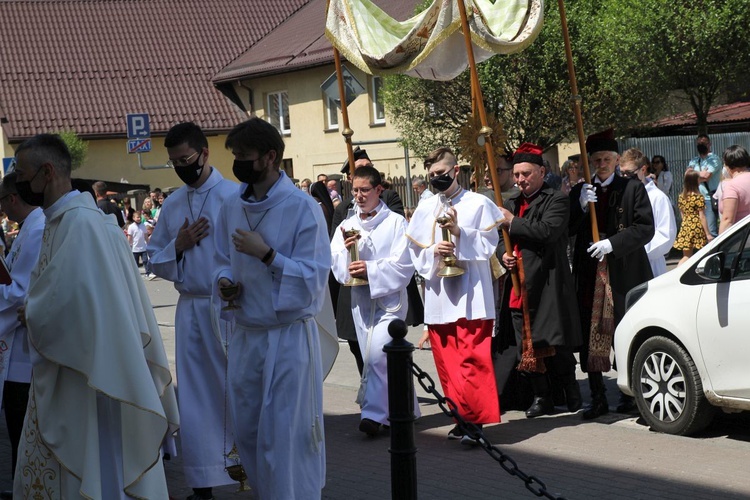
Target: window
(288, 167)
(376, 96)
(278, 111)
(332, 113)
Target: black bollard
(401, 413)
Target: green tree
(705, 48)
(529, 92)
(78, 148)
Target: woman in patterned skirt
(693, 233)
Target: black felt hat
(358, 155)
(602, 141)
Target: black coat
(629, 227)
(542, 236)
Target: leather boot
(573, 397)
(598, 406)
(543, 404)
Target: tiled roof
(299, 42)
(84, 65)
(738, 111)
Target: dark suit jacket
(108, 207)
(629, 227)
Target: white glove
(599, 249)
(588, 194)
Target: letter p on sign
(138, 126)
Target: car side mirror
(711, 268)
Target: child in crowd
(694, 232)
(138, 239)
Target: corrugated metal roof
(299, 42)
(84, 65)
(738, 111)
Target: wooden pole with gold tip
(485, 133)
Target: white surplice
(665, 229)
(15, 363)
(205, 430)
(383, 247)
(102, 400)
(470, 295)
(275, 368)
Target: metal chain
(533, 483)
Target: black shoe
(573, 397)
(455, 433)
(6, 495)
(540, 406)
(369, 427)
(597, 408)
(626, 404)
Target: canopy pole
(486, 132)
(347, 132)
(576, 104)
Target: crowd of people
(507, 295)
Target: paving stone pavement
(615, 457)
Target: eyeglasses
(655, 161)
(363, 191)
(182, 162)
(628, 174)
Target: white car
(683, 346)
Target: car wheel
(668, 388)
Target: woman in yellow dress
(693, 233)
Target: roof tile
(84, 65)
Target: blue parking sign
(8, 163)
(138, 126)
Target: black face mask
(244, 172)
(442, 182)
(27, 195)
(190, 174)
(702, 149)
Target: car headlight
(635, 294)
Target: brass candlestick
(450, 262)
(354, 254)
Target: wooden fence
(402, 184)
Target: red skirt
(463, 359)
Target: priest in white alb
(273, 242)
(182, 249)
(102, 400)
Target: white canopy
(430, 45)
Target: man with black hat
(606, 270)
(547, 327)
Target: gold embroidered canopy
(430, 45)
